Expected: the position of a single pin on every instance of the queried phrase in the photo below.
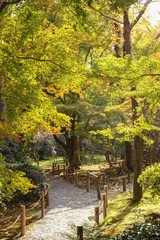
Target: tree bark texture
(127, 49)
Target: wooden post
(104, 205)
(104, 179)
(129, 176)
(76, 179)
(53, 169)
(79, 232)
(98, 189)
(124, 184)
(97, 215)
(106, 194)
(23, 220)
(48, 194)
(42, 204)
(58, 170)
(88, 181)
(67, 175)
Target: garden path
(68, 205)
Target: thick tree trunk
(72, 153)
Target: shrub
(12, 181)
(150, 178)
(34, 173)
(141, 231)
(14, 151)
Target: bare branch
(140, 13)
(5, 4)
(112, 18)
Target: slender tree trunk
(127, 49)
(129, 156)
(137, 189)
(108, 159)
(117, 43)
(2, 105)
(138, 149)
(153, 158)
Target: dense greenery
(141, 231)
(11, 181)
(150, 178)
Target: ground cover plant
(128, 220)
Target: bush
(34, 173)
(14, 151)
(11, 182)
(150, 178)
(141, 231)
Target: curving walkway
(68, 205)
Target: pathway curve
(68, 205)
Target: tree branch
(158, 35)
(44, 60)
(59, 141)
(112, 18)
(140, 13)
(5, 4)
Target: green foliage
(140, 231)
(150, 178)
(34, 173)
(15, 151)
(11, 181)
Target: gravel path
(68, 205)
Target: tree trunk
(153, 158)
(117, 43)
(127, 49)
(129, 156)
(72, 153)
(138, 149)
(137, 189)
(2, 105)
(108, 159)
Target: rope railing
(5, 229)
(22, 214)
